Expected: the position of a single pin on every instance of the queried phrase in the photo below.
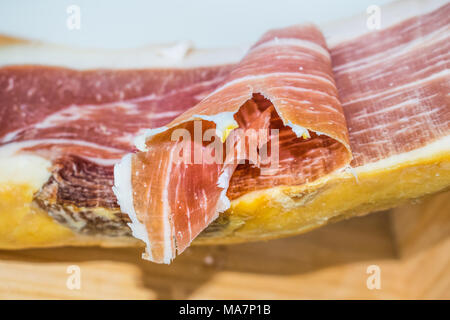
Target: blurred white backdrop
(134, 23)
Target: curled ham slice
(285, 82)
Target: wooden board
(410, 245)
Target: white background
(134, 23)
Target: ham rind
(171, 203)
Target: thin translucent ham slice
(285, 81)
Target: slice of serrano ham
(171, 202)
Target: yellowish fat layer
(284, 211)
(267, 214)
(23, 225)
(227, 131)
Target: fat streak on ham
(373, 105)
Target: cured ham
(84, 122)
(363, 124)
(171, 208)
(394, 101)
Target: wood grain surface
(410, 245)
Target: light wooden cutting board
(409, 246)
